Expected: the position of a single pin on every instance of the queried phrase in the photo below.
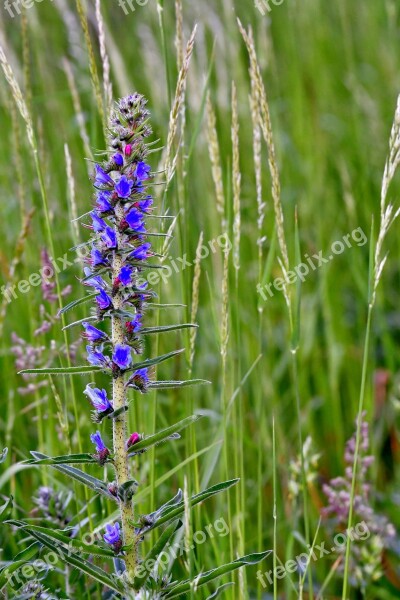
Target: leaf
(92, 482)
(77, 302)
(163, 435)
(90, 318)
(154, 553)
(167, 513)
(8, 570)
(165, 385)
(60, 536)
(165, 328)
(173, 589)
(65, 459)
(220, 589)
(5, 509)
(152, 305)
(155, 361)
(83, 370)
(81, 564)
(28, 553)
(3, 455)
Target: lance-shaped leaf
(173, 590)
(89, 318)
(219, 590)
(83, 370)
(165, 328)
(65, 540)
(64, 459)
(168, 513)
(77, 302)
(156, 360)
(28, 553)
(143, 570)
(163, 435)
(166, 385)
(83, 565)
(92, 482)
(152, 305)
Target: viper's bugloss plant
(120, 254)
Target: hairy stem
(119, 424)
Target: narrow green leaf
(173, 590)
(65, 459)
(90, 318)
(219, 590)
(8, 570)
(83, 370)
(28, 553)
(152, 305)
(77, 302)
(154, 553)
(155, 361)
(163, 435)
(165, 328)
(165, 385)
(92, 482)
(78, 562)
(5, 509)
(168, 513)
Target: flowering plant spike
(119, 255)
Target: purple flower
(140, 380)
(103, 300)
(118, 159)
(134, 438)
(142, 374)
(141, 252)
(125, 275)
(142, 171)
(109, 237)
(113, 536)
(103, 202)
(92, 334)
(98, 442)
(146, 203)
(96, 357)
(96, 281)
(124, 187)
(98, 398)
(135, 325)
(102, 178)
(135, 221)
(97, 223)
(97, 258)
(122, 356)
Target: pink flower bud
(133, 439)
(128, 149)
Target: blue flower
(135, 325)
(98, 442)
(125, 275)
(96, 281)
(122, 356)
(142, 171)
(124, 187)
(113, 535)
(97, 223)
(98, 398)
(135, 221)
(140, 380)
(142, 374)
(103, 204)
(141, 252)
(96, 357)
(97, 258)
(92, 333)
(102, 178)
(103, 300)
(118, 159)
(145, 204)
(109, 237)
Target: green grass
(331, 75)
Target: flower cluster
(366, 557)
(119, 251)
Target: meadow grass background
(331, 71)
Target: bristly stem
(119, 424)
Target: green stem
(357, 448)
